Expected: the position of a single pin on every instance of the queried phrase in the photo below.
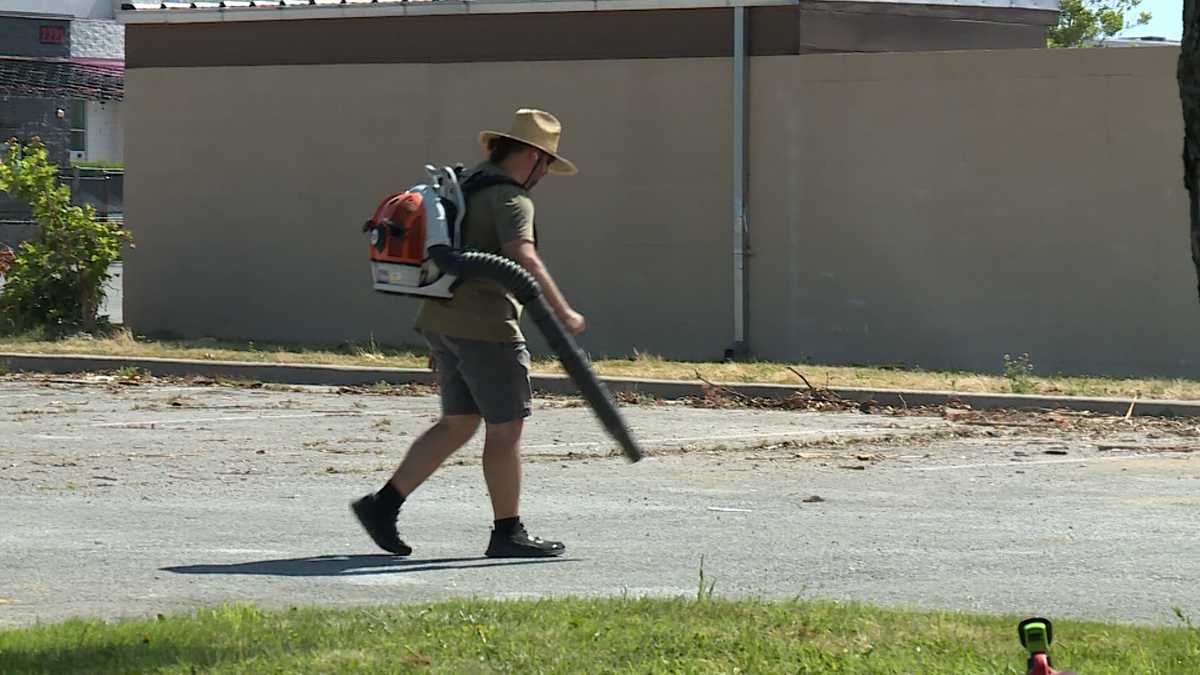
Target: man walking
(478, 349)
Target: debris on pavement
(1112, 429)
(389, 389)
(816, 399)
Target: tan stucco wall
(247, 188)
(946, 209)
(939, 209)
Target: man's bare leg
(502, 472)
(431, 449)
(502, 468)
(377, 511)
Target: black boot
(380, 522)
(514, 542)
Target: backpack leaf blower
(415, 250)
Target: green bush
(56, 279)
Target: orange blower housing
(398, 232)
(406, 226)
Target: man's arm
(523, 252)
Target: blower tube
(527, 291)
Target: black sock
(506, 525)
(389, 497)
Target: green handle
(1036, 634)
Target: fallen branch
(1129, 413)
(726, 390)
(802, 378)
(822, 394)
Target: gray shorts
(490, 379)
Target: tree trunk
(1188, 73)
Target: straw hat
(539, 129)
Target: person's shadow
(353, 565)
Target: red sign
(52, 35)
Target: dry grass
(890, 378)
(122, 343)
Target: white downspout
(739, 184)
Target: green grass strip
(702, 635)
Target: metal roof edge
(451, 7)
(42, 16)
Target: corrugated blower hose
(527, 291)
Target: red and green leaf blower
(1036, 635)
(415, 250)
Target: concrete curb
(333, 375)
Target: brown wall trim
(566, 36)
(1029, 17)
(453, 39)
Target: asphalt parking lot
(144, 497)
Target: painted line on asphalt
(1043, 462)
(76, 389)
(233, 418)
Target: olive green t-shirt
(482, 309)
